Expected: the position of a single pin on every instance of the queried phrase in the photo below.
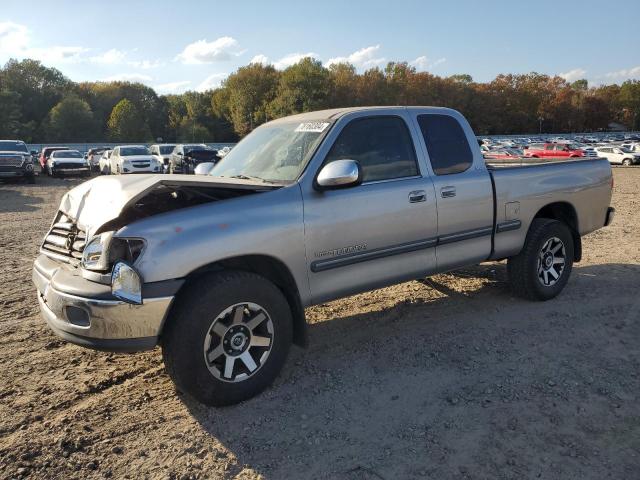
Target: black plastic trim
(108, 344)
(508, 226)
(465, 235)
(353, 258)
(164, 288)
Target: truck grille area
(68, 165)
(10, 160)
(64, 241)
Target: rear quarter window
(447, 144)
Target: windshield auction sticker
(312, 127)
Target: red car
(503, 154)
(554, 150)
(46, 153)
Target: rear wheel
(542, 269)
(228, 337)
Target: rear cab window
(447, 144)
(382, 145)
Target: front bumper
(85, 313)
(71, 170)
(15, 172)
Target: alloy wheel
(238, 342)
(551, 261)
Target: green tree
(303, 87)
(250, 90)
(10, 125)
(126, 123)
(39, 87)
(71, 120)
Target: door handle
(448, 192)
(417, 196)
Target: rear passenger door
(377, 233)
(464, 193)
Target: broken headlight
(104, 250)
(94, 255)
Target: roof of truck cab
(334, 113)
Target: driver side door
(380, 232)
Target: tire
(189, 344)
(626, 162)
(530, 274)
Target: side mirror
(339, 174)
(34, 152)
(204, 168)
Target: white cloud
(110, 57)
(222, 49)
(173, 87)
(146, 64)
(128, 77)
(573, 75)
(423, 63)
(262, 59)
(291, 59)
(211, 82)
(15, 41)
(363, 58)
(625, 74)
(14, 38)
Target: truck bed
(580, 186)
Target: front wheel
(228, 337)
(626, 162)
(542, 269)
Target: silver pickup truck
(218, 269)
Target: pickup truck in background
(217, 269)
(16, 161)
(554, 150)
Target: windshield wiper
(241, 176)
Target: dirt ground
(447, 378)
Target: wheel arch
(273, 270)
(566, 213)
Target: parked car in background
(554, 150)
(104, 165)
(619, 155)
(223, 151)
(16, 161)
(67, 162)
(45, 153)
(634, 147)
(162, 153)
(504, 154)
(133, 159)
(94, 155)
(186, 157)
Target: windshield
(166, 149)
(275, 153)
(130, 151)
(66, 154)
(9, 146)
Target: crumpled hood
(102, 199)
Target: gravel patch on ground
(450, 377)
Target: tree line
(39, 104)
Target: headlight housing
(95, 254)
(104, 250)
(126, 283)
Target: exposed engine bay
(166, 197)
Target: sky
(193, 45)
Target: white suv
(619, 155)
(133, 159)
